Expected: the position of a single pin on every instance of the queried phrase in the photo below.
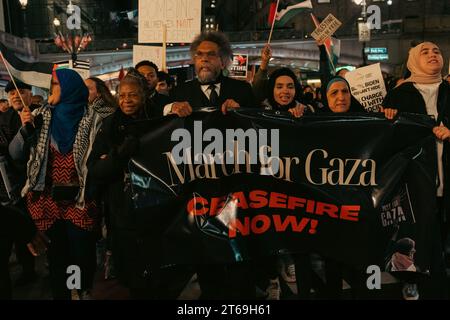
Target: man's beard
(210, 76)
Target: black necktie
(213, 96)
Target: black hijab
(355, 106)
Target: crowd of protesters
(67, 169)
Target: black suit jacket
(155, 104)
(238, 90)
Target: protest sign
(238, 68)
(151, 53)
(367, 86)
(345, 198)
(326, 28)
(182, 18)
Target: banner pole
(164, 63)
(273, 22)
(13, 81)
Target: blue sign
(375, 50)
(377, 57)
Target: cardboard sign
(238, 68)
(151, 53)
(326, 28)
(182, 18)
(367, 86)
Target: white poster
(326, 28)
(151, 53)
(367, 86)
(182, 18)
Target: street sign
(364, 32)
(369, 50)
(378, 57)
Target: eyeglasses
(209, 55)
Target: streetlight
(56, 22)
(23, 4)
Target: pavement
(111, 289)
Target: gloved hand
(129, 147)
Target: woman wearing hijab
(425, 92)
(55, 147)
(339, 98)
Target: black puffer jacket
(406, 98)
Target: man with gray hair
(211, 53)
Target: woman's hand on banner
(389, 113)
(442, 132)
(298, 110)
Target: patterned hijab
(66, 115)
(418, 74)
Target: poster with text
(182, 18)
(238, 68)
(151, 53)
(367, 86)
(326, 28)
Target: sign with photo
(238, 68)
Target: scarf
(97, 111)
(401, 262)
(68, 112)
(418, 74)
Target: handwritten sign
(151, 53)
(182, 18)
(326, 28)
(367, 86)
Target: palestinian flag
(38, 74)
(286, 10)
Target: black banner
(356, 188)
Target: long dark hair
(271, 85)
(104, 92)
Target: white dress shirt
(430, 93)
(206, 90)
